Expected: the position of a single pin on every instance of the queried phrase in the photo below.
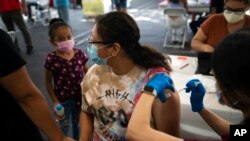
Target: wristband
(150, 90)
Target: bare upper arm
(85, 68)
(199, 38)
(48, 75)
(18, 84)
(166, 115)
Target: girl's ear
(116, 49)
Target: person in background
(210, 34)
(23, 107)
(62, 7)
(112, 4)
(112, 86)
(121, 5)
(216, 7)
(232, 90)
(65, 68)
(11, 13)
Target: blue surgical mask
(92, 52)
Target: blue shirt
(61, 3)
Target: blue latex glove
(160, 82)
(197, 94)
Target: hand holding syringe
(195, 83)
(197, 94)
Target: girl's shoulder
(80, 53)
(52, 54)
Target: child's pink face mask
(66, 45)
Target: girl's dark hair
(119, 27)
(231, 66)
(54, 24)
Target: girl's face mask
(92, 52)
(65, 46)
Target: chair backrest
(174, 11)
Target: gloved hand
(197, 93)
(160, 82)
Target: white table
(192, 125)
(195, 6)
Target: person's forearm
(201, 47)
(218, 124)
(86, 126)
(37, 109)
(51, 93)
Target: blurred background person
(121, 5)
(216, 7)
(215, 28)
(11, 12)
(62, 7)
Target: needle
(195, 83)
(182, 89)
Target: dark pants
(29, 5)
(120, 4)
(204, 63)
(15, 17)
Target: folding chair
(175, 19)
(42, 12)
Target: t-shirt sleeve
(206, 25)
(85, 57)
(10, 59)
(48, 62)
(85, 88)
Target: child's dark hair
(119, 27)
(54, 24)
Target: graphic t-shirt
(111, 99)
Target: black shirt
(219, 4)
(15, 124)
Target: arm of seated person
(139, 125)
(161, 111)
(198, 42)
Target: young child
(64, 71)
